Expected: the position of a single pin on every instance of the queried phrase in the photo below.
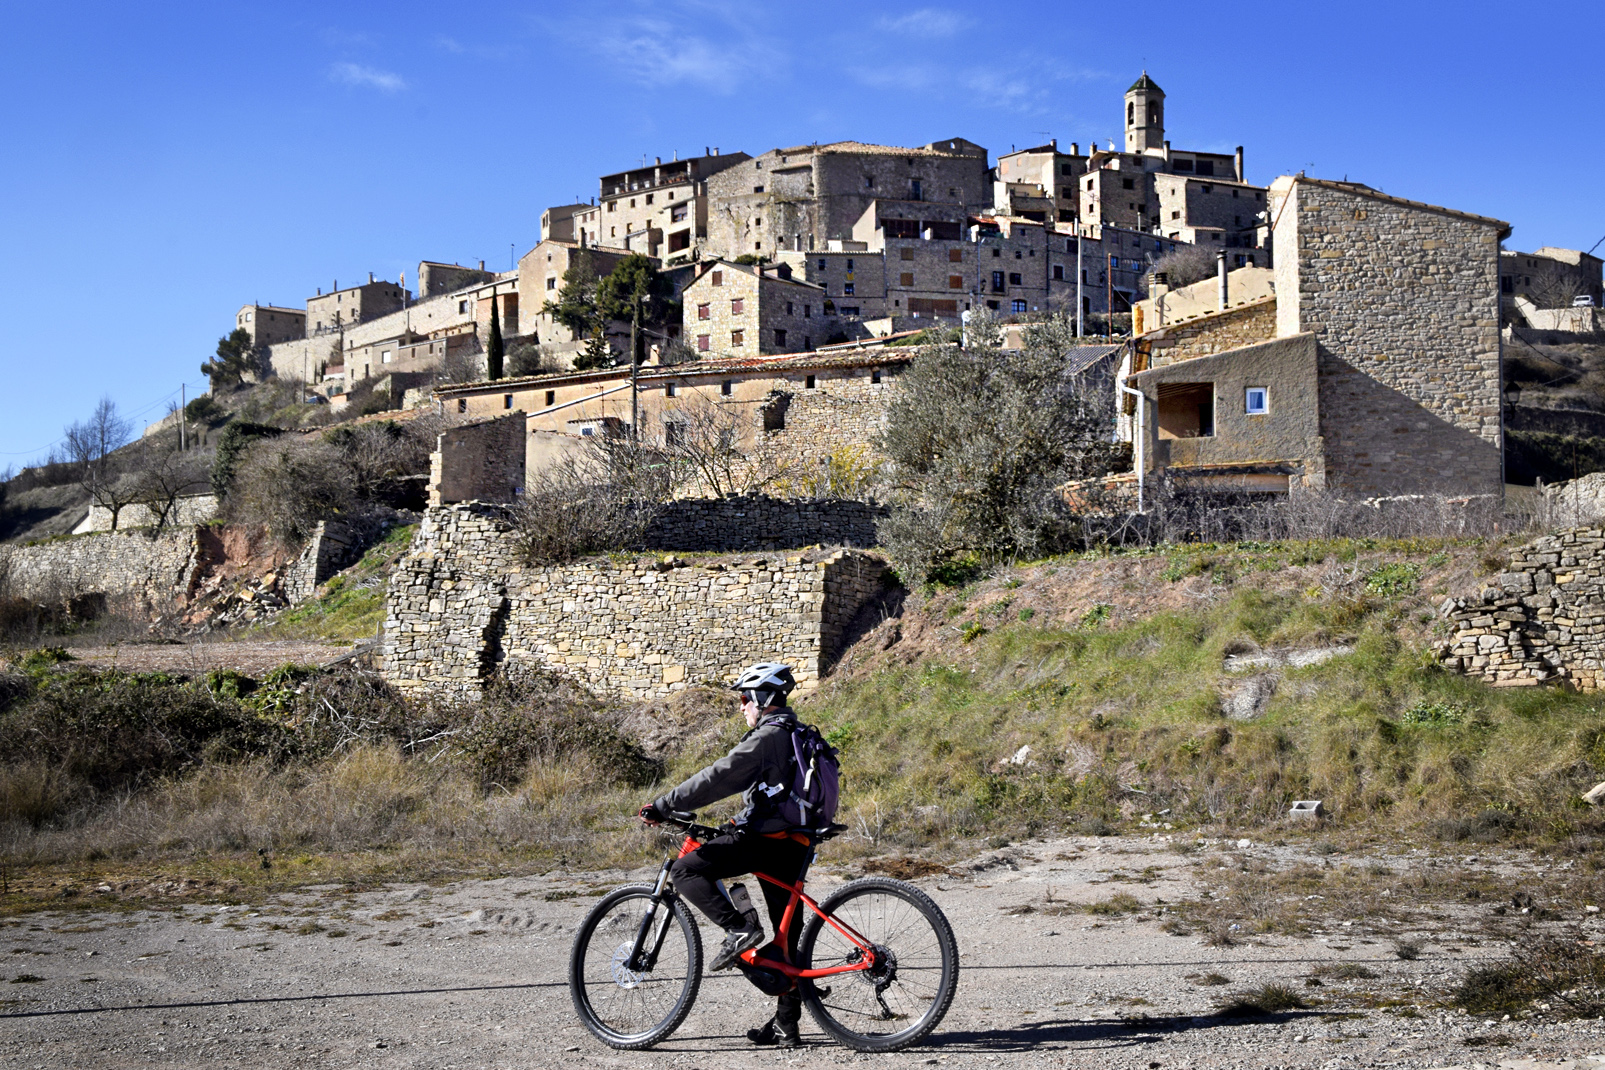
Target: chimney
(1220, 274)
(658, 160)
(716, 150)
(705, 151)
(1240, 177)
(370, 276)
(1075, 148)
(1053, 143)
(482, 265)
(1158, 287)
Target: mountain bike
(876, 962)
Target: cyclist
(758, 839)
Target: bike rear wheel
(904, 998)
(626, 1008)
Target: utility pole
(1109, 295)
(635, 369)
(183, 403)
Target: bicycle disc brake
(623, 976)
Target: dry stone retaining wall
(149, 574)
(1542, 621)
(462, 609)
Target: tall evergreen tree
(494, 348)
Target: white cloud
(358, 75)
(925, 22)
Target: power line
(131, 415)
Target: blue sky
(165, 163)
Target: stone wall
(187, 512)
(1217, 332)
(334, 545)
(479, 461)
(1541, 621)
(1403, 300)
(146, 574)
(461, 609)
(762, 523)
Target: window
(869, 181)
(993, 305)
(808, 383)
(1018, 255)
(462, 404)
(738, 338)
(906, 253)
(1507, 284)
(847, 289)
(757, 189)
(737, 306)
(507, 401)
(1128, 183)
(718, 278)
(1181, 165)
(822, 265)
(1014, 278)
(808, 310)
(649, 198)
(955, 282)
(1058, 272)
(875, 376)
(789, 309)
(668, 390)
(551, 398)
(671, 433)
(849, 263)
(1256, 401)
(914, 190)
(997, 252)
(955, 256)
(613, 232)
(551, 282)
(704, 311)
(632, 202)
(849, 310)
(1064, 169)
(1016, 306)
(384, 356)
(677, 213)
(611, 205)
(727, 386)
(1175, 214)
(997, 282)
(702, 343)
(906, 279)
(780, 337)
(1131, 114)
(1206, 167)
(1089, 184)
(462, 307)
(1186, 410)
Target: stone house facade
(1396, 302)
(1549, 278)
(1039, 183)
(737, 310)
(1403, 300)
(539, 280)
(338, 309)
(799, 198)
(269, 324)
(660, 210)
(1216, 214)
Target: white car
(1582, 301)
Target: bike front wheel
(635, 1008)
(910, 989)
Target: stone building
(1549, 278)
(1040, 183)
(1216, 214)
(558, 223)
(737, 310)
(269, 324)
(800, 198)
(436, 278)
(539, 280)
(338, 309)
(660, 210)
(1382, 337)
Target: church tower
(1145, 116)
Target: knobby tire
(634, 1011)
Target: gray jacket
(759, 767)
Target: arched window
(1131, 114)
(1153, 115)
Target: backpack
(810, 801)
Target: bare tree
(602, 496)
(288, 484)
(1187, 265)
(164, 479)
(704, 442)
(91, 444)
(1553, 286)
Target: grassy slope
(1122, 711)
(350, 606)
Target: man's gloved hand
(649, 814)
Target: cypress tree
(493, 348)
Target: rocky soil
(471, 974)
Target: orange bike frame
(783, 936)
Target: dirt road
(472, 975)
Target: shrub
(601, 498)
(1559, 969)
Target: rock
(1021, 755)
(1594, 795)
(1248, 699)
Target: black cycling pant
(730, 855)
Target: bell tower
(1145, 116)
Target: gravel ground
(472, 975)
(249, 657)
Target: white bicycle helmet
(766, 683)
